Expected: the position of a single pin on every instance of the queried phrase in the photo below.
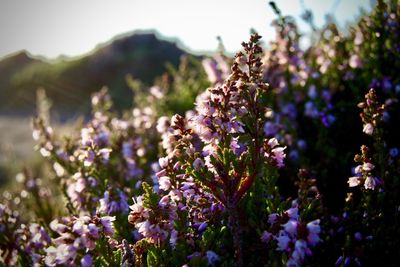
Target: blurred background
(58, 53)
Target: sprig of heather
(370, 176)
(364, 171)
(106, 162)
(372, 113)
(216, 68)
(214, 156)
(291, 236)
(371, 116)
(77, 240)
(32, 240)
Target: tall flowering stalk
(216, 154)
(371, 117)
(372, 112)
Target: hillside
(69, 82)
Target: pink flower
(273, 142)
(157, 92)
(144, 228)
(163, 162)
(355, 61)
(370, 183)
(279, 155)
(354, 181)
(162, 124)
(210, 67)
(368, 129)
(79, 227)
(164, 201)
(65, 253)
(359, 38)
(368, 166)
(105, 154)
(164, 183)
(358, 169)
(58, 227)
(80, 185)
(51, 255)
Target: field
(279, 156)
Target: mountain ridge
(69, 82)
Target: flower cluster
(216, 68)
(292, 236)
(198, 179)
(33, 239)
(77, 238)
(364, 171)
(8, 225)
(106, 146)
(372, 112)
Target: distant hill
(70, 82)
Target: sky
(51, 28)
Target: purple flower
(106, 221)
(173, 238)
(394, 152)
(299, 253)
(272, 218)
(86, 261)
(283, 242)
(293, 213)
(212, 257)
(266, 237)
(313, 232)
(270, 128)
(291, 227)
(93, 230)
(198, 163)
(312, 92)
(358, 236)
(110, 206)
(203, 226)
(164, 183)
(370, 183)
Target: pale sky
(74, 27)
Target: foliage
(265, 170)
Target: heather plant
(218, 176)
